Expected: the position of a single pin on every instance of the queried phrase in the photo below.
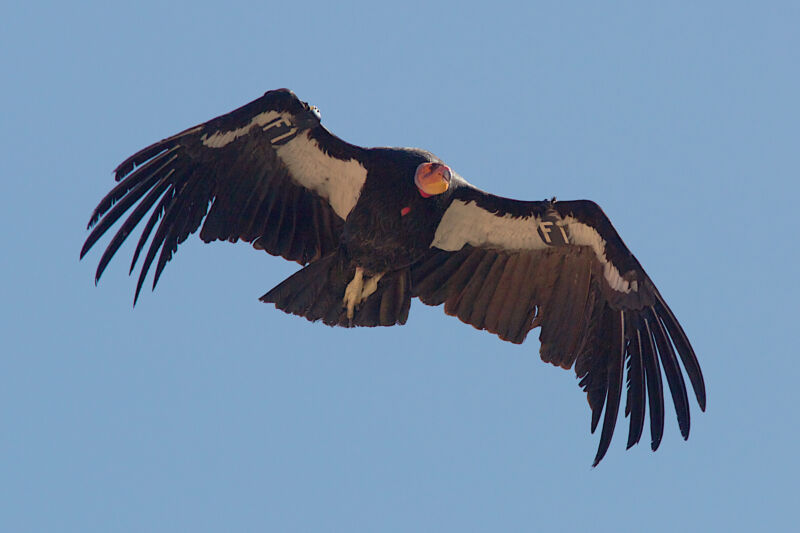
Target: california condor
(374, 227)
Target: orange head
(432, 179)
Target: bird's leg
(359, 290)
(352, 293)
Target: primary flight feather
(374, 227)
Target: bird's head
(432, 179)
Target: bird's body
(375, 227)
(376, 234)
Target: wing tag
(552, 230)
(280, 130)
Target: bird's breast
(382, 237)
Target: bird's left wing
(268, 173)
(509, 266)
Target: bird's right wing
(509, 266)
(268, 173)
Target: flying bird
(375, 227)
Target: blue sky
(205, 410)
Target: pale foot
(359, 290)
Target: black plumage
(375, 227)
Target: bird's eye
(315, 110)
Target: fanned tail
(316, 292)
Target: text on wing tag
(280, 130)
(552, 230)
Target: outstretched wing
(268, 173)
(508, 266)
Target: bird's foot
(352, 293)
(359, 290)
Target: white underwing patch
(585, 235)
(464, 223)
(220, 139)
(336, 180)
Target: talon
(352, 294)
(358, 290)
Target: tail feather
(316, 292)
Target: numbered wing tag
(280, 130)
(552, 230)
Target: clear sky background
(205, 410)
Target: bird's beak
(432, 179)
